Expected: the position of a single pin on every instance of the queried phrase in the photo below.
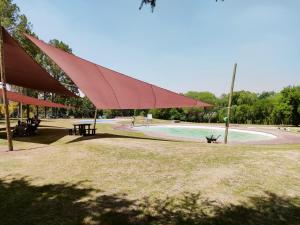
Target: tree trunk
(95, 118)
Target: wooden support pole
(5, 100)
(95, 118)
(229, 104)
(45, 112)
(27, 111)
(21, 112)
(37, 111)
(45, 108)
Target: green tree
(243, 113)
(202, 115)
(282, 113)
(13, 21)
(177, 114)
(203, 96)
(266, 94)
(263, 109)
(244, 97)
(291, 98)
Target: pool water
(200, 132)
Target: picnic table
(83, 129)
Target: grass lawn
(121, 177)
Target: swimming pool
(200, 132)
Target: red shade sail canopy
(22, 70)
(108, 89)
(17, 97)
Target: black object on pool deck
(212, 139)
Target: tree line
(247, 107)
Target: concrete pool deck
(282, 136)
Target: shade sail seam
(115, 95)
(154, 95)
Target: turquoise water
(202, 132)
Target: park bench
(82, 129)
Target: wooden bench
(84, 132)
(89, 131)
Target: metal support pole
(3, 80)
(95, 118)
(229, 104)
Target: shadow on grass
(50, 134)
(24, 203)
(45, 135)
(109, 135)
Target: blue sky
(183, 45)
